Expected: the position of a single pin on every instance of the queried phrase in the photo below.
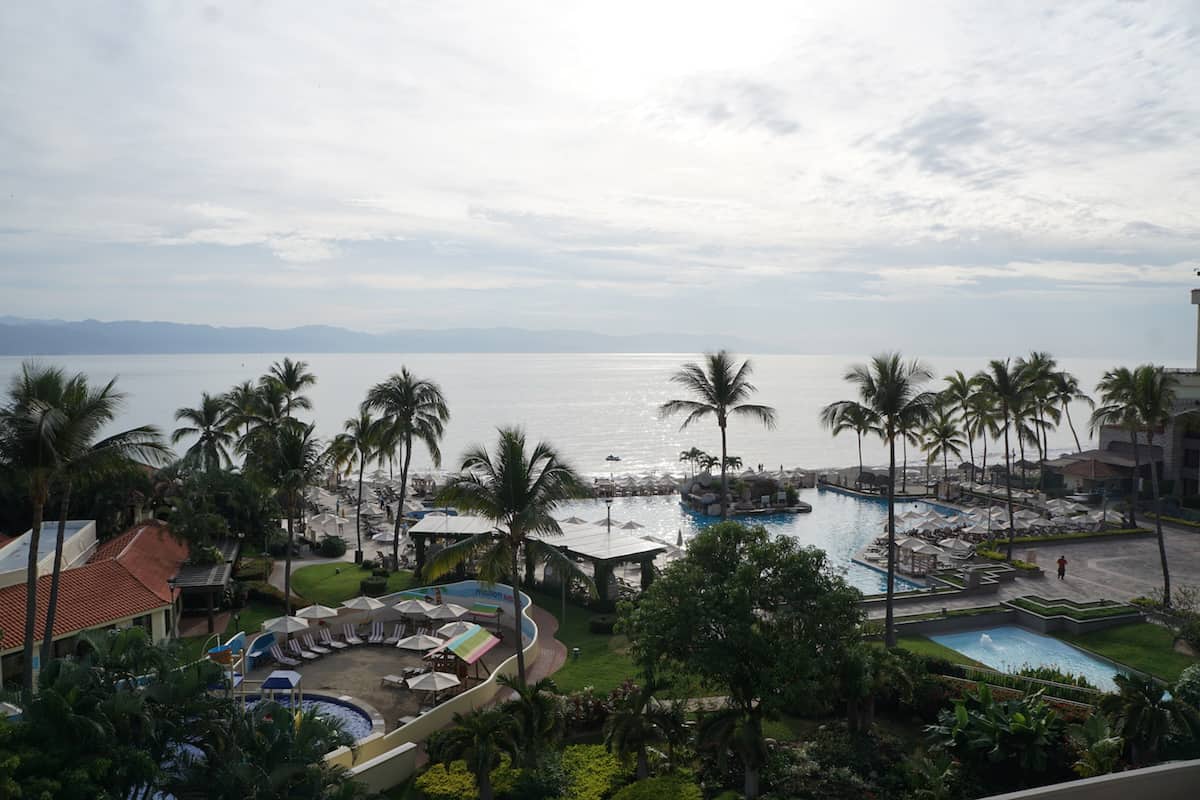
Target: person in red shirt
(1062, 567)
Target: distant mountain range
(21, 337)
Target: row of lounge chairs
(303, 648)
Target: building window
(1191, 458)
(144, 623)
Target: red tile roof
(125, 577)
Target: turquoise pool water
(839, 524)
(353, 720)
(1008, 648)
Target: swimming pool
(839, 524)
(353, 720)
(1008, 648)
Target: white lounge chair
(397, 635)
(394, 681)
(313, 647)
(350, 634)
(377, 634)
(327, 640)
(281, 659)
(296, 650)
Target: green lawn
(330, 584)
(1140, 645)
(928, 647)
(602, 663)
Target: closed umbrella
(420, 641)
(316, 612)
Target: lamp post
(171, 583)
(608, 519)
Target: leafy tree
(891, 388)
(864, 672)
(209, 423)
(762, 621)
(1004, 382)
(851, 416)
(360, 441)
(720, 388)
(414, 409)
(479, 738)
(1146, 717)
(518, 488)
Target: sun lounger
(377, 634)
(350, 634)
(397, 635)
(297, 650)
(394, 681)
(327, 640)
(313, 647)
(281, 659)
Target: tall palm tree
(720, 388)
(981, 420)
(517, 487)
(267, 416)
(535, 707)
(734, 462)
(293, 377)
(958, 393)
(209, 423)
(942, 437)
(30, 425)
(240, 404)
(1146, 717)
(414, 409)
(478, 738)
(891, 388)
(1118, 409)
(1146, 398)
(360, 441)
(1064, 391)
(692, 457)
(851, 416)
(86, 411)
(1039, 369)
(1003, 381)
(638, 722)
(297, 460)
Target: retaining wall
(1175, 781)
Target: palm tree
(1039, 369)
(86, 411)
(478, 738)
(266, 417)
(517, 488)
(1147, 398)
(691, 457)
(535, 707)
(734, 462)
(1064, 391)
(1003, 382)
(958, 393)
(733, 729)
(359, 442)
(638, 722)
(209, 423)
(293, 377)
(1118, 395)
(413, 409)
(942, 438)
(1146, 717)
(296, 461)
(981, 420)
(851, 416)
(707, 461)
(720, 387)
(30, 426)
(240, 404)
(891, 388)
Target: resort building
(120, 583)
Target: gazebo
(204, 584)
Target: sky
(956, 178)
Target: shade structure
(925, 548)
(631, 526)
(420, 641)
(955, 544)
(447, 611)
(472, 645)
(316, 611)
(414, 607)
(433, 682)
(281, 680)
(909, 542)
(575, 521)
(285, 625)
(364, 603)
(1026, 514)
(978, 528)
(326, 521)
(452, 629)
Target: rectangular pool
(1007, 648)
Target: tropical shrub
(1189, 631)
(592, 772)
(664, 787)
(373, 586)
(1099, 748)
(252, 569)
(1187, 688)
(546, 780)
(332, 547)
(454, 781)
(1055, 675)
(602, 623)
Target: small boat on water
(611, 457)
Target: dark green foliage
(602, 623)
(332, 547)
(664, 787)
(374, 586)
(1152, 723)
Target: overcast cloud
(958, 177)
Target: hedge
(1075, 611)
(996, 555)
(1187, 523)
(1066, 537)
(592, 772)
(455, 782)
(665, 787)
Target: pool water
(353, 721)
(1008, 648)
(839, 524)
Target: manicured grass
(928, 647)
(1141, 645)
(330, 584)
(603, 663)
(1076, 611)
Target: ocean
(587, 405)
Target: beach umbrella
(925, 548)
(447, 611)
(452, 629)
(1026, 514)
(909, 542)
(364, 603)
(316, 611)
(420, 641)
(414, 607)
(285, 625)
(977, 528)
(954, 543)
(575, 521)
(631, 526)
(605, 523)
(433, 682)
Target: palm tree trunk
(358, 553)
(889, 631)
(983, 466)
(516, 587)
(1008, 484)
(643, 764)
(400, 510)
(970, 444)
(724, 488)
(904, 471)
(860, 466)
(1021, 449)
(1133, 488)
(56, 575)
(483, 783)
(1162, 545)
(31, 580)
(1067, 411)
(287, 558)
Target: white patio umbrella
(433, 682)
(575, 521)
(447, 611)
(285, 625)
(452, 629)
(908, 542)
(954, 543)
(316, 611)
(978, 528)
(631, 526)
(364, 603)
(414, 607)
(420, 641)
(1026, 514)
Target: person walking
(1062, 567)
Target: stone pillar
(647, 573)
(603, 577)
(419, 545)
